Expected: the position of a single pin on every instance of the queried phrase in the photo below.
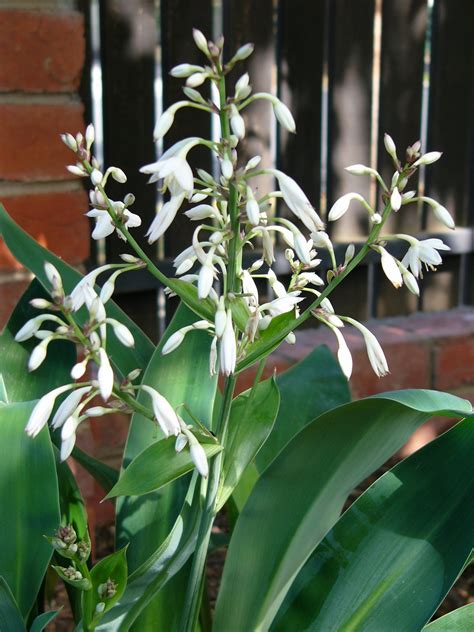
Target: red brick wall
(42, 57)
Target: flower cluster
(231, 217)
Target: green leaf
(113, 567)
(29, 501)
(42, 620)
(156, 466)
(146, 521)
(395, 553)
(33, 256)
(11, 619)
(145, 583)
(105, 475)
(308, 389)
(268, 341)
(460, 620)
(299, 496)
(251, 420)
(3, 391)
(19, 384)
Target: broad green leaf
(395, 553)
(156, 466)
(251, 420)
(105, 475)
(145, 583)
(29, 501)
(146, 521)
(42, 620)
(113, 567)
(33, 256)
(307, 389)
(11, 619)
(460, 620)
(3, 391)
(19, 384)
(300, 495)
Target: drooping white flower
(297, 201)
(198, 456)
(105, 375)
(340, 206)
(38, 354)
(43, 409)
(284, 116)
(220, 318)
(374, 350)
(281, 305)
(228, 347)
(122, 332)
(227, 169)
(68, 406)
(174, 169)
(343, 354)
(68, 436)
(32, 326)
(53, 276)
(206, 276)
(105, 226)
(79, 369)
(249, 287)
(164, 218)
(390, 267)
(423, 251)
(164, 412)
(410, 281)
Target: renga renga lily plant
(276, 462)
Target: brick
(41, 52)
(30, 147)
(10, 291)
(56, 220)
(454, 362)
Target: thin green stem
(87, 601)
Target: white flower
(220, 318)
(390, 267)
(424, 251)
(96, 177)
(302, 247)
(53, 276)
(237, 123)
(68, 436)
(38, 354)
(297, 201)
(69, 141)
(343, 354)
(68, 406)
(284, 116)
(164, 217)
(227, 169)
(164, 412)
(374, 350)
(395, 199)
(32, 326)
(206, 277)
(200, 41)
(105, 375)
(79, 369)
(43, 409)
(390, 147)
(197, 79)
(90, 135)
(174, 168)
(228, 347)
(242, 87)
(184, 70)
(252, 208)
(341, 205)
(181, 442)
(361, 170)
(281, 305)
(441, 213)
(428, 159)
(198, 456)
(105, 226)
(122, 332)
(249, 287)
(243, 52)
(410, 281)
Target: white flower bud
(390, 267)
(291, 338)
(252, 208)
(227, 169)
(68, 406)
(173, 341)
(185, 70)
(202, 211)
(198, 456)
(96, 177)
(374, 350)
(181, 442)
(200, 41)
(90, 135)
(343, 354)
(284, 116)
(428, 159)
(395, 199)
(118, 175)
(443, 215)
(339, 208)
(220, 318)
(228, 347)
(205, 280)
(361, 170)
(105, 375)
(69, 141)
(38, 355)
(163, 124)
(253, 162)
(197, 79)
(242, 88)
(376, 218)
(122, 332)
(42, 411)
(40, 303)
(350, 252)
(390, 147)
(243, 52)
(237, 123)
(164, 412)
(410, 282)
(78, 370)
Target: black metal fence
(348, 69)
